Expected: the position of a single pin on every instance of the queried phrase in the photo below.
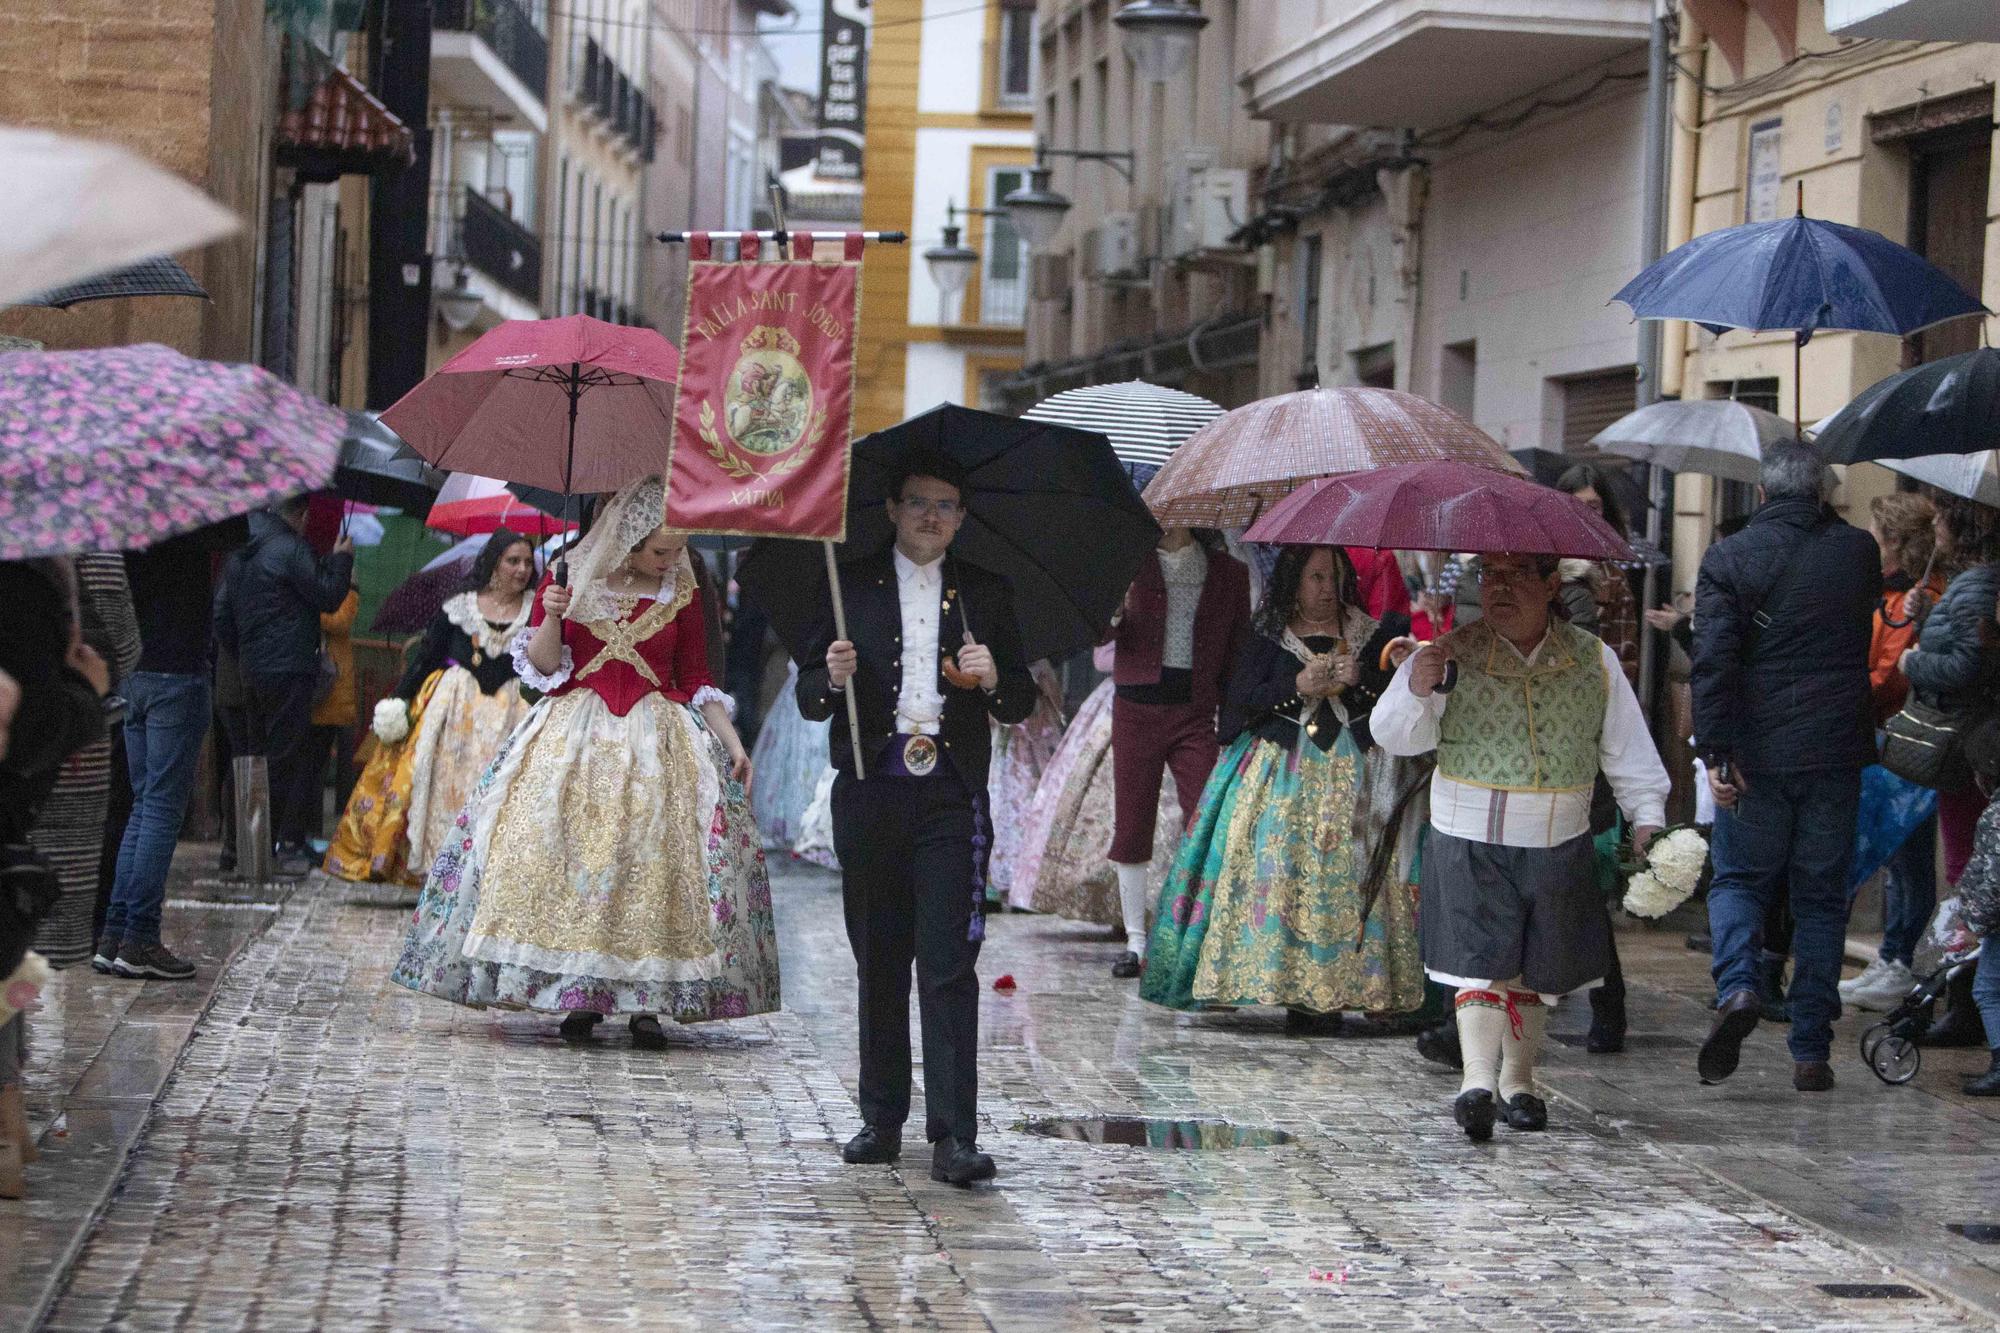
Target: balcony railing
(502, 25)
(501, 248)
(607, 92)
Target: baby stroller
(1890, 1046)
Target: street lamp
(1036, 209)
(1160, 36)
(951, 263)
(458, 305)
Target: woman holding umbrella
(607, 862)
(1268, 901)
(457, 701)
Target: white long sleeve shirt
(1403, 724)
(920, 704)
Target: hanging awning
(342, 130)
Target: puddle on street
(1159, 1135)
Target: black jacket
(274, 592)
(1792, 696)
(445, 644)
(1264, 689)
(875, 626)
(1956, 663)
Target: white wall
(1544, 227)
(933, 373)
(943, 177)
(951, 69)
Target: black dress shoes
(1735, 1018)
(1528, 1112)
(580, 1025)
(1474, 1111)
(1439, 1045)
(956, 1162)
(873, 1146)
(1812, 1076)
(1607, 1024)
(1127, 966)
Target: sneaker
(152, 960)
(1887, 989)
(105, 955)
(1865, 979)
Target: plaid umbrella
(117, 448)
(1242, 463)
(1144, 422)
(153, 277)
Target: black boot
(1607, 1023)
(1988, 1083)
(1771, 1004)
(1960, 1025)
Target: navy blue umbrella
(1802, 274)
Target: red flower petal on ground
(1005, 981)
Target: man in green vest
(1524, 711)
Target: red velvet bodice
(670, 648)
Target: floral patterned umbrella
(1241, 464)
(117, 448)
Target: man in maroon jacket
(1177, 638)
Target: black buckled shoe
(579, 1025)
(1735, 1019)
(1127, 966)
(646, 1033)
(1475, 1111)
(873, 1146)
(1527, 1112)
(957, 1162)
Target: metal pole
(876, 237)
(1653, 244)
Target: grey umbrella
(1707, 435)
(1974, 476)
(152, 277)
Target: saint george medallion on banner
(766, 398)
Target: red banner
(765, 405)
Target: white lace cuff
(526, 670)
(708, 694)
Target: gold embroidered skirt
(370, 845)
(460, 733)
(595, 831)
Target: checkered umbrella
(1242, 463)
(1144, 422)
(153, 277)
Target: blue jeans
(1909, 893)
(1792, 834)
(166, 719)
(1986, 987)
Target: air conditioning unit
(1209, 204)
(1117, 244)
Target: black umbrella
(1950, 406)
(377, 468)
(152, 277)
(1048, 508)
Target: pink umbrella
(1439, 506)
(470, 504)
(572, 405)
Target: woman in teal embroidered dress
(1282, 893)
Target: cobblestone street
(335, 1152)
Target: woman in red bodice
(608, 862)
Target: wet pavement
(333, 1151)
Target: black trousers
(905, 848)
(280, 710)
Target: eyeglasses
(921, 507)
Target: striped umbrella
(160, 276)
(1144, 422)
(1242, 463)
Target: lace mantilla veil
(632, 515)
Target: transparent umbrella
(1715, 437)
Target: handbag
(1925, 744)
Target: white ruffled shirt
(920, 588)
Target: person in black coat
(267, 619)
(933, 652)
(1783, 618)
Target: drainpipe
(1653, 244)
(1406, 190)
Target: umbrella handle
(840, 632)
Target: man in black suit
(912, 837)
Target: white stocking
(1524, 1041)
(1482, 1035)
(1132, 896)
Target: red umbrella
(1439, 506)
(572, 405)
(468, 504)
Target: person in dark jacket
(1955, 667)
(268, 616)
(1784, 614)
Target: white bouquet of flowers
(1675, 868)
(391, 721)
